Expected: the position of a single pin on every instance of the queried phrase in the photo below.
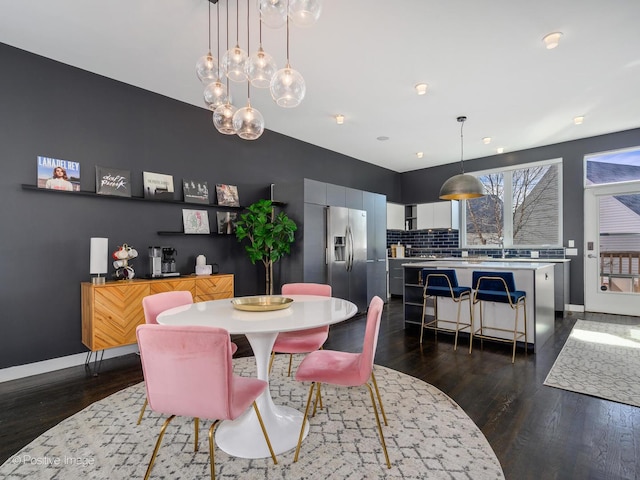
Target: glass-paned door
(612, 249)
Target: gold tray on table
(264, 303)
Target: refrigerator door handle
(349, 263)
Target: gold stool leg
(424, 312)
(470, 324)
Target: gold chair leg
(375, 410)
(264, 432)
(273, 355)
(318, 397)
(375, 384)
(196, 426)
(144, 406)
(290, 362)
(211, 447)
(157, 447)
(304, 422)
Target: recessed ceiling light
(339, 119)
(486, 140)
(421, 88)
(419, 154)
(552, 40)
(500, 150)
(382, 138)
(578, 120)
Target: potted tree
(270, 236)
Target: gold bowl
(264, 303)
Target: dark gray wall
(422, 186)
(54, 110)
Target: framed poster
(113, 181)
(226, 222)
(195, 191)
(157, 186)
(195, 221)
(57, 174)
(227, 195)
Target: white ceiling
(481, 58)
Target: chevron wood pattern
(111, 312)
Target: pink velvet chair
(188, 371)
(153, 305)
(346, 369)
(303, 341)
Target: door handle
(591, 255)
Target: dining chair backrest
(187, 370)
(153, 305)
(374, 316)
(306, 289)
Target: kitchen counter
(561, 272)
(496, 264)
(535, 278)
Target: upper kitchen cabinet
(395, 216)
(437, 215)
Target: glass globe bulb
(260, 68)
(233, 62)
(223, 119)
(287, 87)
(273, 12)
(248, 123)
(304, 13)
(207, 69)
(215, 94)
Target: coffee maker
(168, 265)
(162, 262)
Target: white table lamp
(99, 260)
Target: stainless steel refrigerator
(347, 254)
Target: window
(612, 167)
(522, 208)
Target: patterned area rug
(429, 436)
(602, 360)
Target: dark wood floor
(537, 432)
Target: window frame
(507, 226)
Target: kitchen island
(535, 278)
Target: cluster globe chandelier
(259, 70)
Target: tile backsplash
(443, 242)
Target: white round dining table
(243, 437)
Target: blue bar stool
(444, 283)
(500, 287)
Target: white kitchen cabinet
(395, 216)
(437, 215)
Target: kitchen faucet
(502, 246)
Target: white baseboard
(574, 308)
(21, 371)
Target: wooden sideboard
(111, 312)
